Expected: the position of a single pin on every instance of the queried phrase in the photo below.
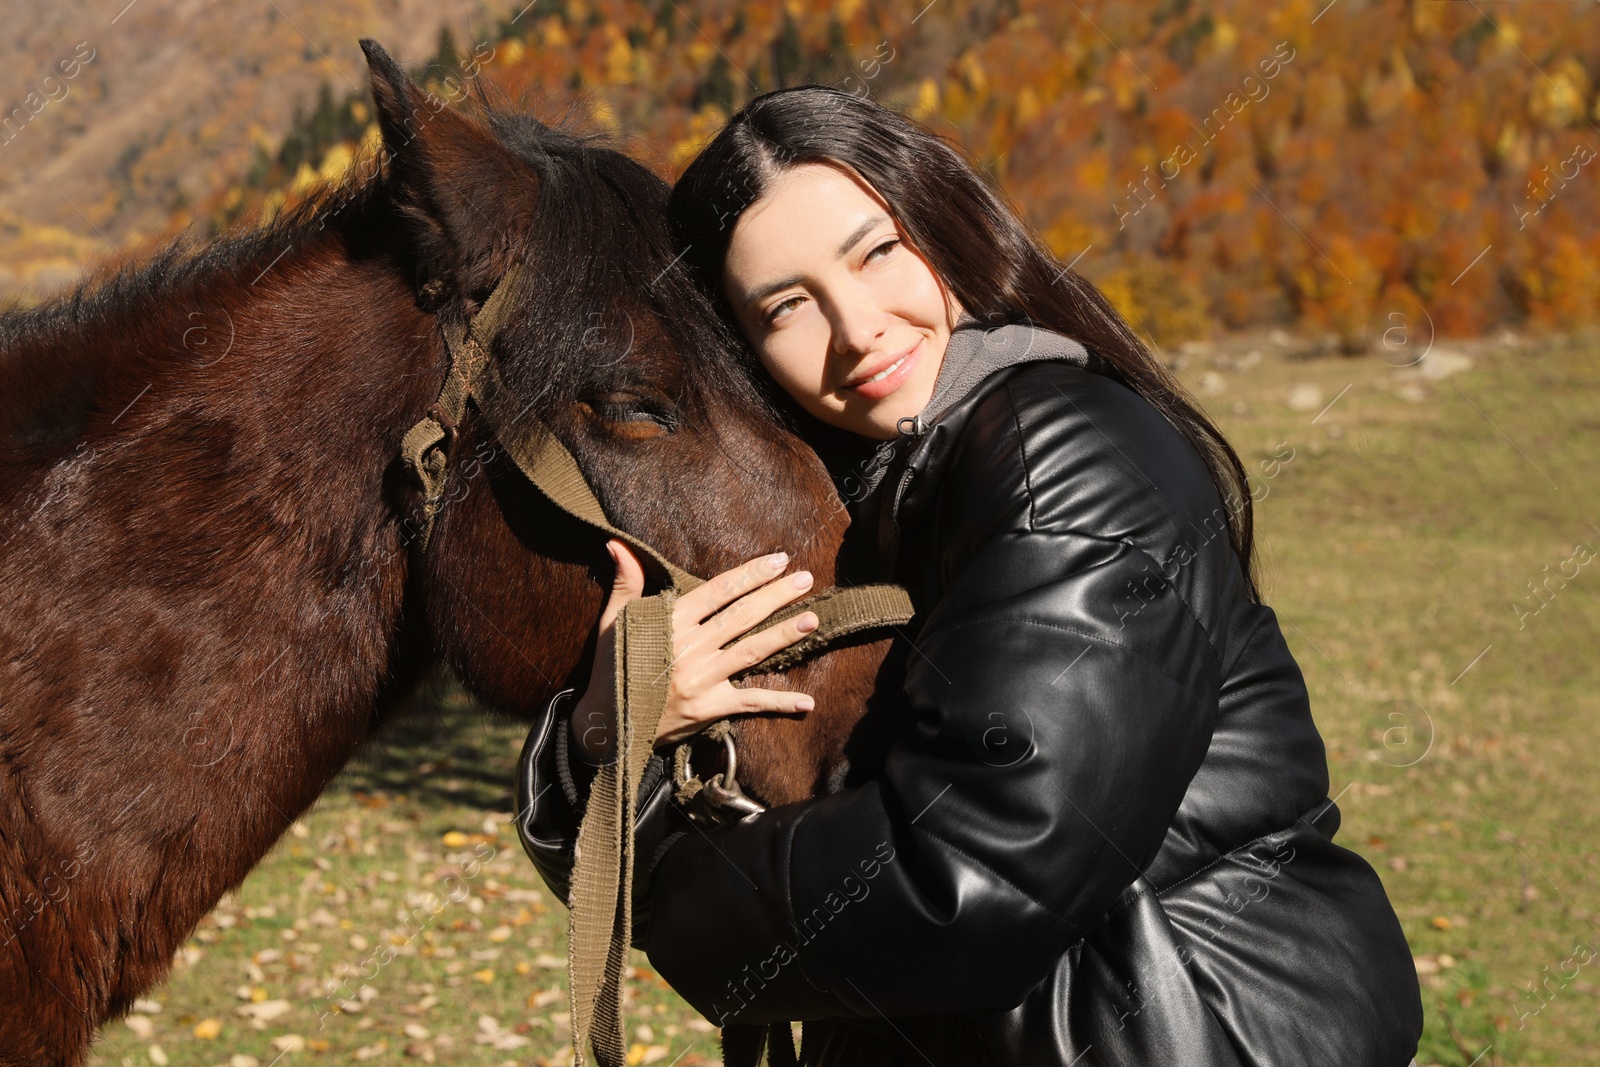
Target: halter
(600, 898)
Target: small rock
(141, 1026)
(289, 1043)
(1211, 383)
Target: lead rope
(600, 920)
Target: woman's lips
(882, 387)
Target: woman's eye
(779, 309)
(890, 243)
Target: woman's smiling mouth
(889, 378)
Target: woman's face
(842, 311)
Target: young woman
(1108, 836)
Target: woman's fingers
(758, 646)
(731, 701)
(753, 608)
(627, 581)
(723, 589)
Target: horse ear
(458, 187)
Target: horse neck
(216, 558)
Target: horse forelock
(613, 302)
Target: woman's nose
(858, 323)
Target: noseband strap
(600, 922)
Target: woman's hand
(703, 620)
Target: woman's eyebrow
(761, 292)
(860, 232)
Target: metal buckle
(726, 800)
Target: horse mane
(591, 196)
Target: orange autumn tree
(1216, 166)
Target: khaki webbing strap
(545, 462)
(600, 922)
(469, 358)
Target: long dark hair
(971, 235)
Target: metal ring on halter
(722, 790)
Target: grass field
(1406, 517)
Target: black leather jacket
(1107, 837)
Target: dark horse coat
(212, 582)
(1104, 833)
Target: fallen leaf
(141, 1026)
(485, 976)
(289, 1043)
(265, 1010)
(208, 1029)
(455, 839)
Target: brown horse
(207, 595)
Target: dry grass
(1397, 539)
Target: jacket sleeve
(552, 793)
(1058, 721)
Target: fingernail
(805, 703)
(806, 622)
(802, 579)
(777, 560)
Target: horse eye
(633, 408)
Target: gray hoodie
(973, 353)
